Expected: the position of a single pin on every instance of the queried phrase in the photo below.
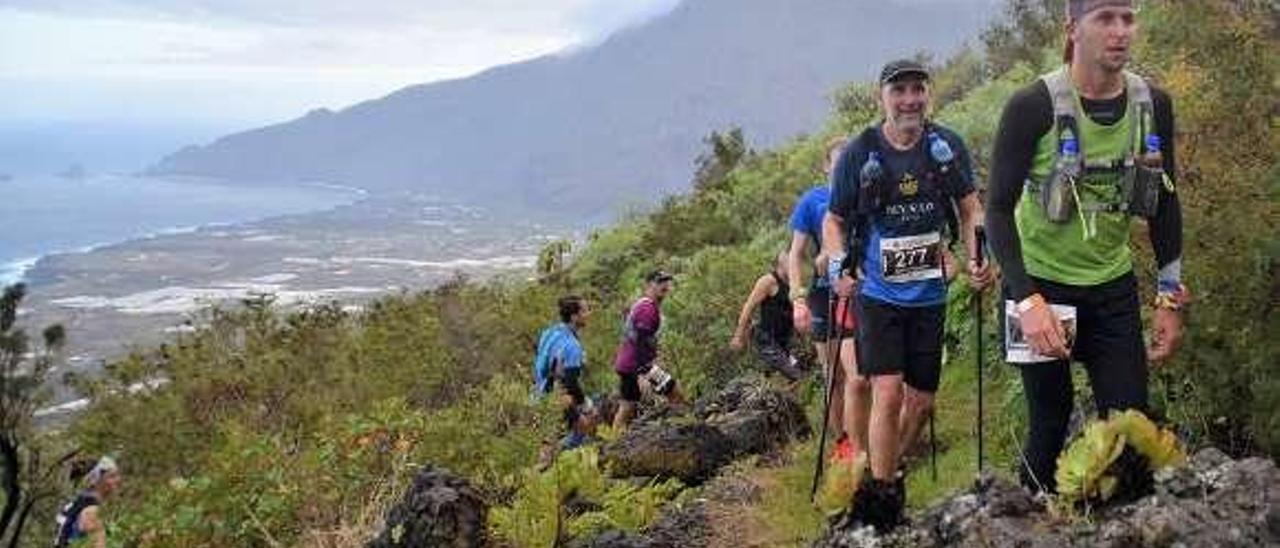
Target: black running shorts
(629, 386)
(902, 340)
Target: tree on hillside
(1028, 27)
(25, 476)
(552, 261)
(1220, 61)
(725, 151)
(856, 105)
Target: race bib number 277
(911, 258)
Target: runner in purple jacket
(637, 355)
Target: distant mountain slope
(618, 122)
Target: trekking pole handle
(980, 241)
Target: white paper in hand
(1016, 347)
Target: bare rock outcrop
(441, 509)
(1214, 501)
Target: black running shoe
(879, 504)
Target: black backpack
(875, 192)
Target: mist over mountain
(618, 122)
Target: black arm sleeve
(1166, 227)
(1027, 117)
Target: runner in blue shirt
(561, 357)
(851, 401)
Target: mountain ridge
(595, 127)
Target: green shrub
(537, 514)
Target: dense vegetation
(297, 428)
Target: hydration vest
(68, 519)
(1136, 178)
(876, 193)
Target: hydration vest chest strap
(1137, 181)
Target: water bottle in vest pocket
(1145, 180)
(1058, 194)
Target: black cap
(902, 67)
(658, 276)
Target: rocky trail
(736, 440)
(1213, 501)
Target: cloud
(160, 48)
(288, 56)
(498, 15)
(105, 35)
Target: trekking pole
(980, 239)
(833, 361)
(933, 449)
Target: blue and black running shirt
(901, 257)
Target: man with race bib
(896, 190)
(637, 356)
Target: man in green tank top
(1080, 155)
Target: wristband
(1169, 278)
(835, 266)
(1032, 301)
(1173, 300)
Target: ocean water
(41, 215)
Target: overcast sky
(238, 63)
(254, 61)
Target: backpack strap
(1065, 111)
(1061, 92)
(869, 195)
(946, 172)
(1143, 109)
(871, 187)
